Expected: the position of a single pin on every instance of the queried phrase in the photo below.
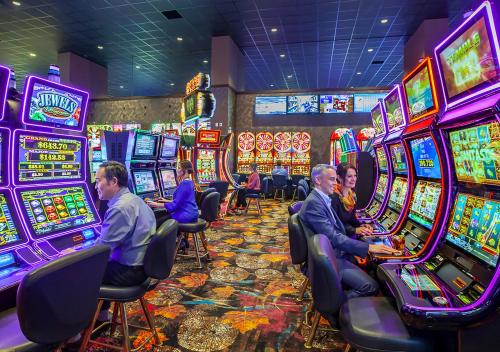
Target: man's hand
(364, 231)
(381, 249)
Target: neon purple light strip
(490, 26)
(14, 213)
(3, 90)
(28, 91)
(15, 157)
(5, 155)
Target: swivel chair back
(280, 182)
(301, 193)
(221, 187)
(303, 183)
(205, 193)
(294, 208)
(298, 241)
(210, 207)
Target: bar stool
(250, 198)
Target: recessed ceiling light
(352, 86)
(121, 87)
(384, 20)
(17, 3)
(358, 73)
(205, 61)
(290, 76)
(274, 30)
(172, 84)
(137, 66)
(100, 47)
(179, 39)
(282, 55)
(271, 85)
(370, 50)
(32, 54)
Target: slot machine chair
(54, 302)
(205, 193)
(298, 246)
(280, 183)
(301, 193)
(295, 182)
(158, 263)
(294, 208)
(221, 187)
(305, 185)
(250, 199)
(382, 330)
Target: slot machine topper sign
(199, 102)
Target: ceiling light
(384, 20)
(282, 55)
(271, 85)
(121, 87)
(274, 30)
(172, 84)
(100, 47)
(17, 3)
(370, 50)
(205, 61)
(358, 73)
(290, 76)
(137, 66)
(179, 39)
(32, 54)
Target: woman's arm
(184, 191)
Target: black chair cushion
(193, 227)
(294, 208)
(252, 195)
(373, 324)
(123, 293)
(297, 239)
(12, 338)
(160, 254)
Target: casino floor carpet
(243, 300)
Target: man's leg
(359, 283)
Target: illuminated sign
(378, 119)
(394, 109)
(199, 105)
(211, 137)
(4, 86)
(199, 82)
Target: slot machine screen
(9, 234)
(50, 210)
(377, 120)
(398, 159)
(48, 157)
(145, 145)
(394, 110)
(425, 157)
(51, 104)
(381, 187)
(302, 104)
(168, 178)
(398, 193)
(169, 148)
(475, 227)
(332, 104)
(424, 203)
(381, 159)
(476, 153)
(270, 105)
(144, 181)
(419, 93)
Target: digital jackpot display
(45, 156)
(378, 120)
(9, 235)
(398, 158)
(302, 104)
(206, 167)
(54, 210)
(393, 109)
(332, 104)
(475, 227)
(270, 105)
(144, 181)
(476, 153)
(425, 157)
(381, 187)
(398, 193)
(468, 59)
(424, 203)
(419, 92)
(381, 159)
(51, 104)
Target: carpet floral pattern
(244, 299)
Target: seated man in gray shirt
(128, 225)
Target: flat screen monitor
(302, 104)
(168, 178)
(468, 59)
(332, 104)
(40, 157)
(53, 105)
(424, 203)
(425, 157)
(378, 120)
(475, 227)
(420, 92)
(394, 109)
(270, 105)
(10, 234)
(381, 159)
(381, 187)
(144, 181)
(50, 210)
(169, 148)
(476, 153)
(145, 146)
(398, 159)
(366, 102)
(398, 193)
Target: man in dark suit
(318, 216)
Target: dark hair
(253, 166)
(115, 169)
(342, 169)
(187, 166)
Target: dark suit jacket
(315, 215)
(348, 218)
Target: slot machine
(246, 152)
(207, 155)
(283, 150)
(264, 152)
(301, 154)
(49, 169)
(365, 138)
(97, 151)
(166, 165)
(335, 149)
(457, 282)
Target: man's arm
(115, 227)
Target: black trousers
(117, 274)
(241, 202)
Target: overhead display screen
(331, 104)
(398, 158)
(51, 104)
(377, 120)
(381, 187)
(48, 157)
(420, 97)
(270, 105)
(145, 145)
(394, 110)
(169, 148)
(168, 178)
(144, 181)
(9, 235)
(475, 227)
(476, 152)
(424, 203)
(468, 60)
(425, 157)
(302, 104)
(398, 193)
(55, 210)
(381, 159)
(366, 102)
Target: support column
(82, 73)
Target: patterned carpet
(242, 300)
